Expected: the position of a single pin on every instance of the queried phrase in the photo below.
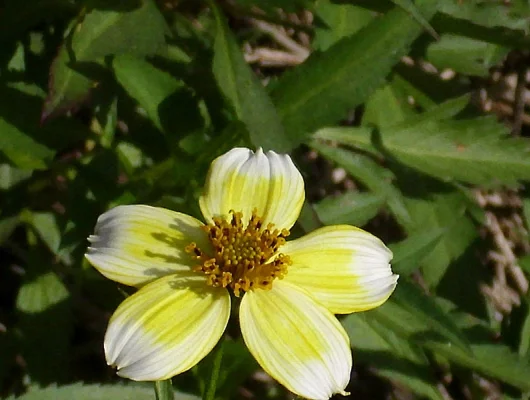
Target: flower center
(245, 258)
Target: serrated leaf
(241, 88)
(513, 15)
(393, 357)
(370, 174)
(21, 149)
(465, 55)
(352, 208)
(387, 107)
(418, 316)
(354, 136)
(169, 104)
(411, 8)
(492, 359)
(476, 151)
(445, 211)
(409, 253)
(328, 84)
(341, 20)
(99, 34)
(80, 391)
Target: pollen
(245, 257)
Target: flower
(188, 272)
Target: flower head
(186, 272)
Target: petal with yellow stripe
(242, 181)
(166, 327)
(136, 244)
(344, 268)
(296, 341)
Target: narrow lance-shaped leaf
(244, 92)
(328, 84)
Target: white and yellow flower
(186, 272)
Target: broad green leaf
(45, 322)
(21, 149)
(370, 174)
(46, 224)
(98, 34)
(322, 90)
(409, 253)
(80, 391)
(341, 20)
(513, 15)
(354, 136)
(352, 208)
(413, 314)
(386, 107)
(393, 357)
(10, 176)
(477, 151)
(447, 212)
(465, 55)
(168, 102)
(244, 92)
(41, 293)
(492, 359)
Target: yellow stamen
(245, 257)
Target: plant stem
(164, 390)
(209, 394)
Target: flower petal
(343, 267)
(136, 244)
(166, 327)
(242, 180)
(296, 340)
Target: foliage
(105, 103)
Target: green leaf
(341, 20)
(45, 323)
(492, 359)
(7, 226)
(244, 92)
(477, 151)
(354, 136)
(328, 84)
(409, 253)
(465, 55)
(386, 107)
(39, 294)
(413, 314)
(410, 7)
(100, 33)
(10, 176)
(168, 102)
(444, 211)
(21, 149)
(81, 391)
(352, 208)
(513, 15)
(370, 174)
(394, 357)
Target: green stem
(164, 390)
(209, 394)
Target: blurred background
(407, 118)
